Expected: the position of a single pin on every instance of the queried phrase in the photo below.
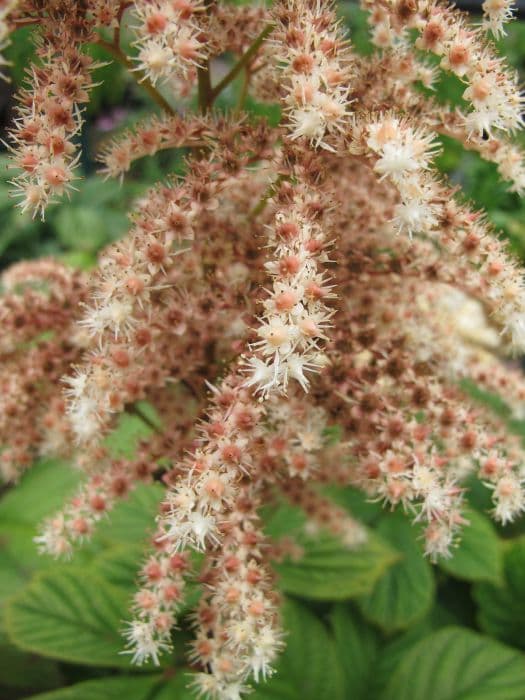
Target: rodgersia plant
(298, 277)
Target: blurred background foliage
(378, 624)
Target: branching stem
(242, 62)
(139, 75)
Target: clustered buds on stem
(318, 276)
(49, 119)
(295, 315)
(316, 70)
(238, 635)
(38, 312)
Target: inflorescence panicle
(305, 279)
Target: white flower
(311, 438)
(278, 335)
(182, 500)
(52, 539)
(259, 662)
(424, 480)
(396, 160)
(84, 417)
(216, 688)
(116, 315)
(354, 535)
(482, 120)
(509, 498)
(240, 632)
(382, 132)
(178, 532)
(414, 216)
(203, 527)
(263, 376)
(155, 60)
(308, 122)
(144, 643)
(296, 366)
(76, 384)
(496, 14)
(439, 539)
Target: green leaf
(129, 687)
(394, 651)
(479, 556)
(457, 664)
(327, 570)
(355, 502)
(119, 565)
(123, 441)
(19, 558)
(132, 519)
(308, 668)
(19, 669)
(11, 577)
(71, 615)
(97, 189)
(357, 648)
(41, 491)
(88, 228)
(175, 688)
(502, 608)
(79, 259)
(405, 592)
(20, 52)
(487, 398)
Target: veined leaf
(357, 648)
(70, 615)
(120, 565)
(478, 556)
(129, 687)
(502, 608)
(405, 592)
(457, 664)
(41, 491)
(308, 668)
(328, 570)
(133, 519)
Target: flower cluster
(49, 114)
(195, 506)
(316, 71)
(295, 314)
(238, 634)
(38, 311)
(402, 154)
(427, 207)
(163, 580)
(168, 38)
(491, 89)
(496, 13)
(153, 135)
(300, 307)
(107, 480)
